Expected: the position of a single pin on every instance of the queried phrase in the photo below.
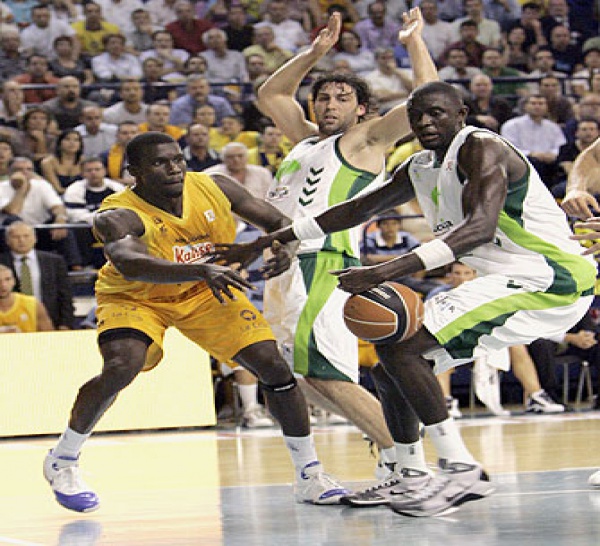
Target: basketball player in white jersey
(489, 209)
(333, 160)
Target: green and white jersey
(531, 243)
(313, 177)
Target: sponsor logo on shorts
(247, 314)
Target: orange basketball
(388, 313)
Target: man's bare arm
(584, 181)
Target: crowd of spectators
(80, 79)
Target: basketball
(388, 313)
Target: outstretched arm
(276, 97)
(121, 229)
(583, 180)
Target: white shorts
(493, 312)
(304, 308)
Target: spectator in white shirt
(130, 108)
(119, 12)
(40, 35)
(97, 136)
(223, 65)
(437, 34)
(389, 83)
(173, 59)
(289, 34)
(537, 137)
(488, 34)
(114, 64)
(162, 12)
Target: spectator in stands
(516, 53)
(67, 106)
(543, 65)
(271, 150)
(162, 12)
(198, 155)
(195, 64)
(115, 64)
(588, 130)
(591, 63)
(7, 152)
(486, 110)
(537, 137)
(11, 104)
(389, 83)
(594, 83)
(114, 158)
(20, 313)
(377, 30)
(140, 38)
(257, 71)
(83, 198)
(558, 13)
(566, 56)
(97, 136)
(197, 94)
(529, 21)
(206, 115)
(223, 65)
(37, 73)
(560, 109)
(35, 202)
(448, 10)
(157, 119)
(264, 44)
(232, 130)
(37, 138)
(587, 108)
(289, 33)
(40, 35)
(130, 108)
(64, 167)
(152, 81)
(91, 31)
(187, 31)
(20, 11)
(68, 11)
(240, 32)
(457, 68)
(361, 61)
(468, 43)
(581, 341)
(48, 279)
(254, 178)
(12, 60)
(502, 11)
(488, 30)
(437, 33)
(493, 64)
(119, 12)
(173, 59)
(65, 64)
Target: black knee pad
(282, 387)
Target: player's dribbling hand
(221, 279)
(412, 24)
(357, 279)
(279, 262)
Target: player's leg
(288, 405)
(124, 355)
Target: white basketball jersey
(532, 236)
(313, 177)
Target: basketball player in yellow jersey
(19, 312)
(156, 236)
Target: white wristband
(435, 254)
(307, 228)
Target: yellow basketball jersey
(206, 219)
(23, 314)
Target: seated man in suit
(40, 274)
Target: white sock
(388, 456)
(70, 443)
(411, 456)
(248, 395)
(302, 450)
(448, 442)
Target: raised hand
(412, 25)
(221, 279)
(358, 279)
(329, 36)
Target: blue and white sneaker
(62, 473)
(316, 487)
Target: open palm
(412, 24)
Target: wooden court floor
(231, 487)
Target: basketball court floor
(231, 487)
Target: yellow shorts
(367, 356)
(222, 330)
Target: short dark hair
(137, 147)
(91, 159)
(442, 88)
(468, 23)
(358, 84)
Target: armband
(307, 228)
(435, 254)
